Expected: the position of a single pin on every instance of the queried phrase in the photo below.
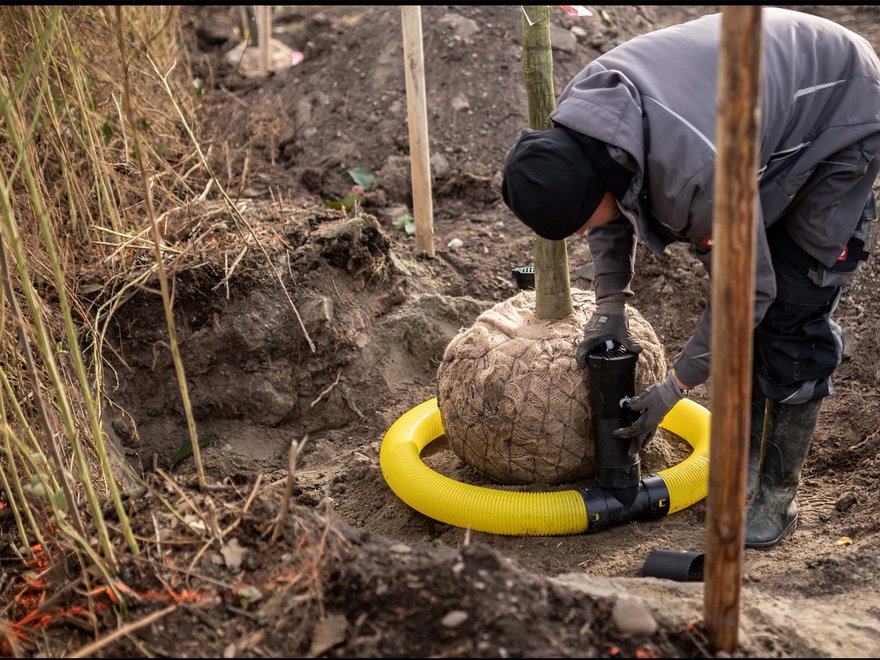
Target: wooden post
(552, 284)
(417, 117)
(264, 28)
(733, 298)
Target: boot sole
(766, 545)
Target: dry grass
(74, 198)
(103, 193)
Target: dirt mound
(375, 322)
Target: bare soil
(356, 572)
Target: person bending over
(631, 156)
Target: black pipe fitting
(525, 278)
(607, 507)
(612, 380)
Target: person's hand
(653, 403)
(609, 321)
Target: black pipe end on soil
(525, 277)
(678, 565)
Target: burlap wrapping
(515, 404)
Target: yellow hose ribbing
(518, 513)
(688, 482)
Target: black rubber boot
(756, 433)
(772, 513)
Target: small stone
(391, 214)
(460, 103)
(632, 618)
(578, 32)
(439, 166)
(454, 619)
(358, 457)
(845, 501)
(587, 271)
(233, 553)
(329, 632)
(463, 28)
(562, 40)
(455, 243)
(402, 548)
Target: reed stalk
(160, 266)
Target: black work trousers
(797, 344)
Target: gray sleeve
(692, 364)
(613, 247)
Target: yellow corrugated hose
(519, 513)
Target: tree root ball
(514, 403)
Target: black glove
(653, 403)
(609, 321)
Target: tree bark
(552, 285)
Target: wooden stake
(417, 116)
(264, 28)
(733, 299)
(552, 284)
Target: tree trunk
(552, 287)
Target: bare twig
(171, 567)
(158, 536)
(186, 498)
(247, 504)
(212, 517)
(98, 644)
(351, 404)
(157, 240)
(295, 448)
(229, 271)
(327, 390)
(195, 560)
(7, 633)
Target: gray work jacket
(820, 139)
